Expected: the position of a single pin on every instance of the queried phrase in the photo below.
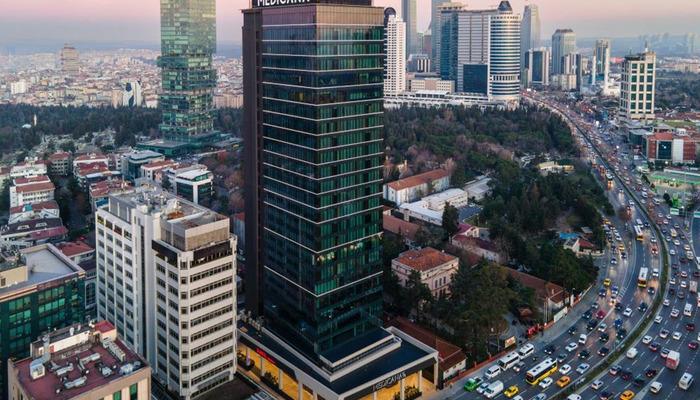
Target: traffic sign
(674, 211)
(696, 214)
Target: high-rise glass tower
(188, 40)
(529, 30)
(435, 32)
(563, 43)
(504, 57)
(313, 120)
(602, 59)
(409, 12)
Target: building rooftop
(105, 187)
(400, 227)
(35, 187)
(43, 263)
(31, 179)
(75, 360)
(61, 155)
(31, 225)
(419, 179)
(424, 259)
(141, 155)
(90, 157)
(71, 249)
(543, 289)
(44, 205)
(449, 354)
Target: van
(632, 353)
(493, 390)
(686, 381)
(526, 350)
(492, 372)
(582, 338)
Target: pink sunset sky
(138, 20)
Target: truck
(693, 287)
(673, 359)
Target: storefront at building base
(401, 371)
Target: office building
(443, 11)
(479, 50)
(602, 60)
(80, 362)
(193, 182)
(536, 67)
(637, 86)
(188, 78)
(166, 280)
(529, 32)
(132, 95)
(418, 63)
(430, 84)
(131, 162)
(563, 43)
(70, 61)
(313, 206)
(40, 290)
(435, 30)
(395, 68)
(409, 14)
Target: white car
(667, 302)
(677, 335)
(546, 382)
(565, 369)
(602, 327)
(675, 313)
(597, 384)
(582, 338)
(698, 337)
(658, 319)
(574, 397)
(655, 272)
(647, 339)
(653, 240)
(677, 242)
(684, 284)
(482, 387)
(518, 397)
(672, 252)
(627, 312)
(663, 334)
(672, 281)
(571, 347)
(655, 387)
(583, 368)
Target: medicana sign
(275, 3)
(389, 381)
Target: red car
(693, 345)
(690, 327)
(600, 314)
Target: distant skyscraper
(395, 67)
(602, 60)
(480, 50)
(132, 95)
(444, 10)
(563, 43)
(313, 129)
(435, 30)
(536, 69)
(409, 13)
(529, 30)
(637, 86)
(70, 61)
(188, 40)
(691, 43)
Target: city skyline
(25, 24)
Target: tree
(430, 236)
(415, 294)
(68, 146)
(667, 199)
(459, 176)
(450, 220)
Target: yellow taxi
(627, 395)
(607, 282)
(511, 391)
(621, 247)
(563, 381)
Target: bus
(509, 360)
(642, 281)
(673, 233)
(639, 233)
(540, 371)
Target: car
(587, 315)
(677, 242)
(594, 306)
(664, 352)
(684, 275)
(603, 338)
(549, 350)
(597, 384)
(655, 387)
(638, 381)
(642, 307)
(626, 375)
(628, 312)
(651, 290)
(654, 347)
(546, 382)
(618, 307)
(672, 252)
(627, 395)
(561, 357)
(519, 366)
(696, 274)
(572, 330)
(663, 334)
(613, 261)
(693, 345)
(684, 284)
(672, 281)
(690, 327)
(518, 397)
(621, 333)
(671, 291)
(563, 381)
(617, 323)
(565, 369)
(675, 313)
(584, 354)
(603, 351)
(658, 319)
(602, 292)
(571, 347)
(602, 327)
(600, 314)
(655, 272)
(681, 294)
(540, 396)
(615, 290)
(651, 372)
(646, 339)
(582, 338)
(473, 383)
(481, 388)
(607, 282)
(677, 335)
(605, 396)
(667, 302)
(583, 368)
(511, 391)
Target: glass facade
(320, 135)
(24, 319)
(188, 40)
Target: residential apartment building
(30, 167)
(80, 362)
(23, 234)
(40, 290)
(637, 86)
(415, 187)
(395, 45)
(166, 279)
(434, 267)
(60, 163)
(86, 160)
(27, 212)
(31, 190)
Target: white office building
(132, 96)
(395, 68)
(637, 86)
(166, 279)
